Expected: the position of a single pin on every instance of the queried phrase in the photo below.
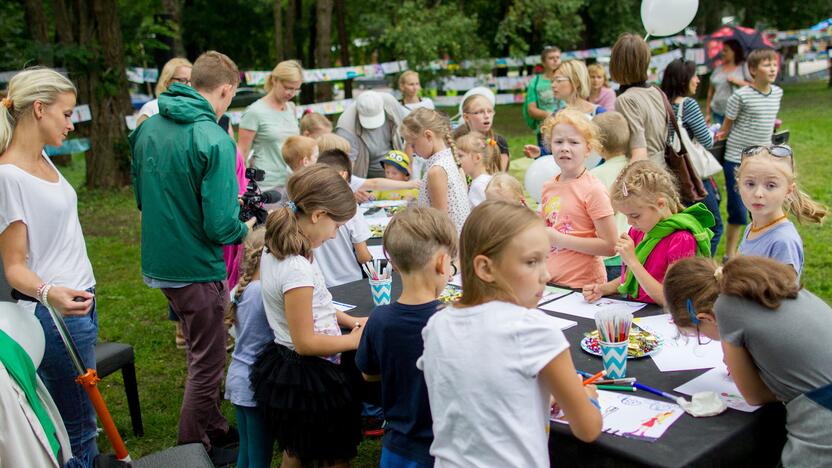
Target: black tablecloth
(733, 438)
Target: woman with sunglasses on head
(775, 336)
(176, 70)
(766, 180)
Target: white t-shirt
(279, 276)
(336, 257)
(427, 103)
(57, 252)
(476, 193)
(481, 365)
(356, 182)
(149, 109)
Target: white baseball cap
(370, 107)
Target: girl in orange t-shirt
(575, 205)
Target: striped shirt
(694, 122)
(753, 114)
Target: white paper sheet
(563, 323)
(552, 293)
(456, 280)
(574, 304)
(343, 307)
(377, 251)
(718, 380)
(679, 352)
(634, 417)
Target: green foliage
(16, 51)
(610, 19)
(530, 24)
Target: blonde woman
(176, 70)
(410, 86)
(599, 88)
(269, 121)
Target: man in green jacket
(185, 186)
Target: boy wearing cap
(396, 167)
(371, 126)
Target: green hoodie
(185, 186)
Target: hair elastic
(692, 313)
(291, 205)
(492, 142)
(718, 273)
(8, 103)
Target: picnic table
(732, 438)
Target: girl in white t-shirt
(309, 401)
(480, 160)
(492, 361)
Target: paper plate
(642, 344)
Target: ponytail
(701, 280)
(804, 208)
(253, 249)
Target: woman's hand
(531, 151)
(64, 299)
(626, 249)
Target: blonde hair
(296, 148)
(252, 252)
(415, 235)
(644, 180)
(701, 281)
(476, 142)
(287, 70)
(798, 203)
(505, 182)
(405, 75)
(213, 69)
(25, 88)
(329, 141)
(756, 57)
(577, 119)
(489, 229)
(312, 121)
(613, 132)
(315, 187)
(167, 73)
(578, 76)
(629, 60)
(424, 119)
(599, 69)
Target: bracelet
(595, 402)
(39, 290)
(44, 295)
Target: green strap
(20, 367)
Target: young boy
(749, 120)
(396, 167)
(299, 152)
(421, 243)
(337, 257)
(313, 125)
(614, 135)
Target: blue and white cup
(381, 290)
(614, 356)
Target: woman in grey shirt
(731, 75)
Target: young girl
(766, 180)
(575, 204)
(253, 334)
(478, 114)
(428, 133)
(775, 337)
(480, 159)
(494, 357)
(505, 187)
(660, 234)
(297, 379)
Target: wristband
(39, 289)
(595, 402)
(44, 295)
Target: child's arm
(603, 245)
(626, 248)
(561, 379)
(298, 305)
(362, 253)
(593, 292)
(381, 183)
(746, 375)
(725, 129)
(438, 188)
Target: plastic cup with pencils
(381, 282)
(614, 339)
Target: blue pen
(583, 374)
(654, 391)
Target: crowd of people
(624, 226)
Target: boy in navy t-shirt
(420, 242)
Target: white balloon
(667, 17)
(24, 328)
(540, 171)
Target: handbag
(678, 162)
(704, 163)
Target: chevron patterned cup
(614, 356)
(382, 290)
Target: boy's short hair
(312, 121)
(296, 148)
(415, 234)
(337, 159)
(213, 69)
(756, 57)
(329, 141)
(613, 132)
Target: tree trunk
(343, 43)
(289, 50)
(38, 29)
(173, 8)
(323, 46)
(278, 30)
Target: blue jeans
(394, 460)
(256, 440)
(58, 374)
(717, 118)
(542, 144)
(737, 213)
(712, 203)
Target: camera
(253, 199)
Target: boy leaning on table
(420, 242)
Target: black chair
(110, 357)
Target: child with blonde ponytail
(766, 181)
(480, 160)
(428, 133)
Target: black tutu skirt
(310, 405)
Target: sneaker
(227, 440)
(222, 457)
(373, 427)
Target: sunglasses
(778, 151)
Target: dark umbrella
(748, 38)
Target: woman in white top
(41, 243)
(409, 86)
(176, 70)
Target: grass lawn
(132, 313)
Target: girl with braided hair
(662, 232)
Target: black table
(733, 438)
